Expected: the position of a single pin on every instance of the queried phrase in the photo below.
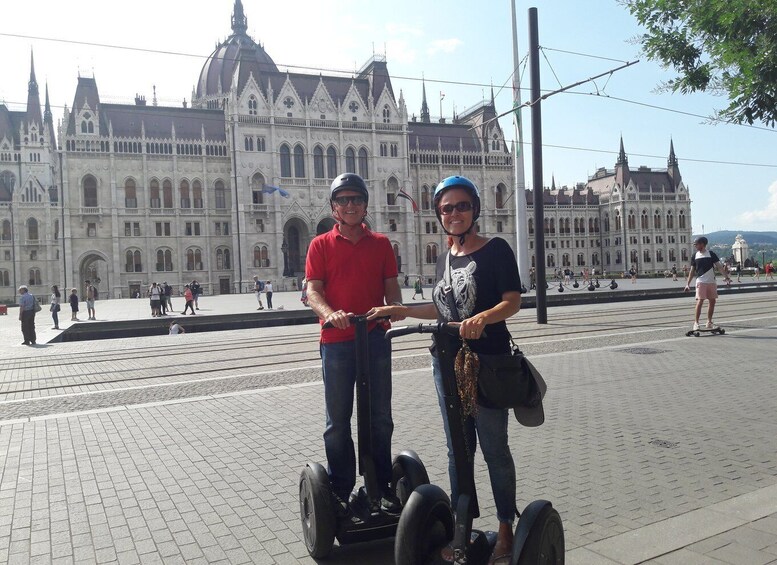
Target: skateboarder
(703, 264)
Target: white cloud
(443, 46)
(765, 217)
(400, 51)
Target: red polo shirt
(353, 274)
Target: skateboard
(697, 333)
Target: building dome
(238, 54)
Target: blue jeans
(339, 368)
(491, 427)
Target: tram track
(210, 360)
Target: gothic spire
(672, 158)
(47, 117)
(33, 97)
(239, 20)
(622, 159)
(424, 106)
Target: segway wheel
(407, 474)
(425, 526)
(544, 543)
(316, 512)
(721, 331)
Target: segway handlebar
(354, 319)
(428, 328)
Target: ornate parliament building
(236, 182)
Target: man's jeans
(339, 367)
(491, 426)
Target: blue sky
(459, 49)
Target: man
(703, 265)
(268, 293)
(27, 315)
(349, 271)
(258, 288)
(90, 295)
(196, 291)
(167, 297)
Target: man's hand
(339, 319)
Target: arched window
(130, 194)
(580, 260)
(167, 193)
(197, 194)
(363, 168)
(669, 220)
(386, 114)
(392, 188)
(495, 143)
(32, 229)
(261, 256)
(249, 143)
(193, 259)
(5, 278)
(594, 258)
(617, 220)
(551, 261)
(133, 261)
(499, 196)
(646, 256)
(6, 236)
(681, 220)
(183, 191)
(632, 220)
(257, 189)
(659, 256)
(299, 161)
(672, 256)
(164, 260)
(318, 162)
(153, 194)
(252, 105)
(34, 279)
(633, 257)
(331, 162)
(426, 199)
(531, 226)
(565, 260)
(7, 184)
(607, 224)
(90, 192)
(223, 260)
(350, 160)
(657, 220)
(220, 194)
(644, 220)
(552, 226)
(285, 161)
(431, 254)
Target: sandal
(502, 554)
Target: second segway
(429, 523)
(365, 519)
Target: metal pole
(521, 220)
(536, 146)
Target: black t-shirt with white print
(478, 281)
(705, 264)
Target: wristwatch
(397, 304)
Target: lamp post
(285, 251)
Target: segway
(364, 520)
(428, 522)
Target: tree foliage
(724, 46)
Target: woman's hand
(472, 328)
(394, 313)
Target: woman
(73, 299)
(188, 296)
(55, 307)
(486, 290)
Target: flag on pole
(403, 194)
(269, 189)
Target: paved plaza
(657, 447)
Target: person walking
(258, 288)
(418, 288)
(188, 296)
(196, 291)
(703, 265)
(633, 274)
(674, 272)
(485, 290)
(27, 304)
(155, 295)
(268, 294)
(90, 295)
(769, 270)
(73, 300)
(56, 297)
(350, 270)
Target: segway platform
(713, 331)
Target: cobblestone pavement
(657, 448)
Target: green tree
(728, 47)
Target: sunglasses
(447, 209)
(345, 200)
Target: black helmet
(349, 181)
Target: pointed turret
(424, 106)
(239, 20)
(48, 121)
(622, 167)
(672, 166)
(33, 98)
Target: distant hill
(725, 237)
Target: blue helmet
(457, 181)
